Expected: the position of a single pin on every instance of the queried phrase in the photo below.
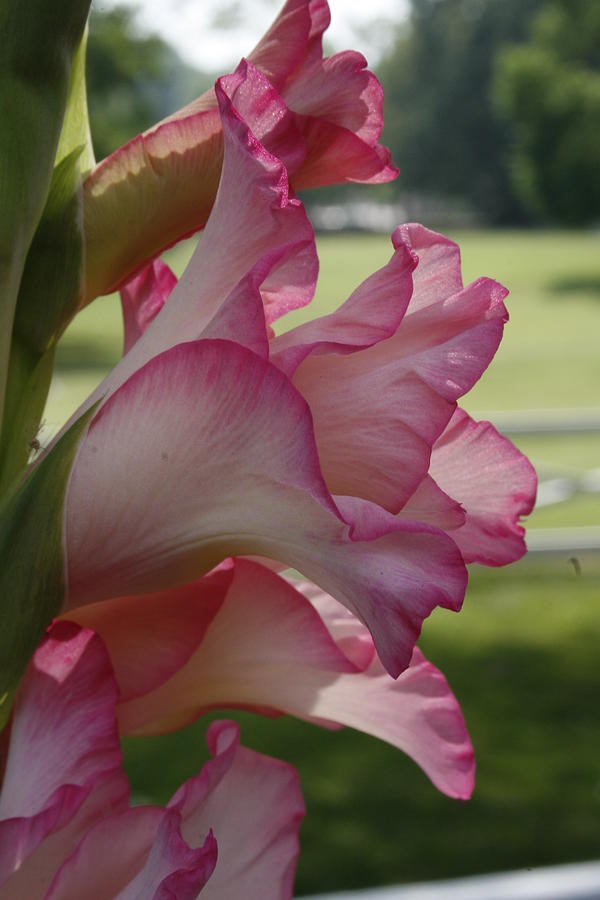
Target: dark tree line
(492, 102)
(133, 80)
(549, 91)
(441, 120)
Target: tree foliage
(441, 123)
(549, 90)
(133, 80)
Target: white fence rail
(544, 421)
(556, 485)
(579, 881)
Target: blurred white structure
(382, 218)
(580, 881)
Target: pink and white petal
(254, 202)
(430, 503)
(314, 148)
(422, 569)
(265, 642)
(254, 806)
(378, 412)
(334, 154)
(147, 858)
(282, 657)
(171, 454)
(183, 447)
(64, 729)
(417, 713)
(262, 108)
(241, 316)
(374, 424)
(108, 857)
(43, 841)
(494, 482)
(173, 868)
(450, 333)
(270, 283)
(63, 768)
(143, 297)
(450, 345)
(294, 36)
(351, 636)
(149, 637)
(291, 279)
(339, 90)
(371, 314)
(439, 273)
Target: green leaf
(51, 283)
(53, 273)
(39, 40)
(6, 702)
(29, 378)
(76, 125)
(32, 576)
(47, 300)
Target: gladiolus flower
(331, 448)
(212, 446)
(66, 829)
(216, 456)
(321, 117)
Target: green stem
(29, 378)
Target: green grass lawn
(549, 355)
(522, 656)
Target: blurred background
(492, 112)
